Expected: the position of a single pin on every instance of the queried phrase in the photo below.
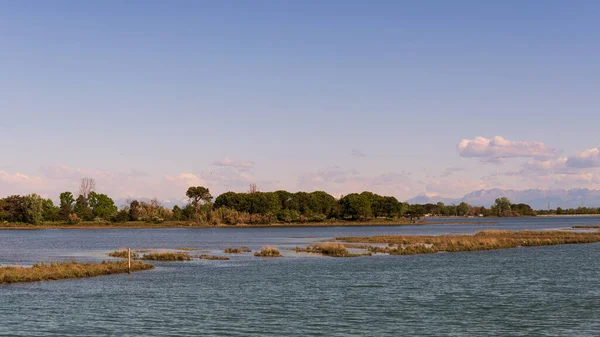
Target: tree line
(252, 207)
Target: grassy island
(334, 249)
(485, 240)
(268, 251)
(66, 270)
(167, 256)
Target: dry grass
(167, 256)
(485, 240)
(586, 226)
(189, 249)
(268, 251)
(142, 250)
(243, 249)
(212, 257)
(334, 249)
(66, 270)
(123, 254)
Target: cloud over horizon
(499, 148)
(585, 159)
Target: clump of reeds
(187, 248)
(586, 226)
(142, 250)
(334, 249)
(67, 270)
(268, 251)
(243, 249)
(484, 240)
(123, 254)
(212, 257)
(167, 256)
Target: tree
(252, 188)
(13, 208)
(462, 209)
(102, 206)
(134, 210)
(33, 209)
(197, 194)
(51, 212)
(86, 186)
(501, 205)
(82, 209)
(355, 206)
(66, 205)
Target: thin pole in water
(129, 260)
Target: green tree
(33, 207)
(134, 210)
(197, 194)
(102, 205)
(82, 209)
(13, 209)
(66, 205)
(463, 209)
(501, 206)
(51, 212)
(356, 206)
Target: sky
(401, 98)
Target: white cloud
(586, 159)
(240, 164)
(498, 148)
(357, 153)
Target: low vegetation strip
(268, 251)
(167, 256)
(243, 249)
(334, 249)
(485, 240)
(66, 270)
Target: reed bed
(66, 270)
(241, 250)
(212, 257)
(268, 251)
(334, 249)
(485, 240)
(123, 254)
(189, 249)
(167, 256)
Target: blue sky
(150, 97)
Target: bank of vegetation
(66, 270)
(92, 209)
(485, 240)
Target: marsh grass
(485, 240)
(586, 226)
(66, 270)
(212, 257)
(187, 249)
(268, 251)
(123, 254)
(241, 250)
(334, 249)
(167, 256)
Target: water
(540, 291)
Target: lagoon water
(538, 291)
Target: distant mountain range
(536, 198)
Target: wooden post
(129, 260)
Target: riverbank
(182, 224)
(484, 240)
(66, 270)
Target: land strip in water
(484, 240)
(66, 270)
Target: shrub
(268, 251)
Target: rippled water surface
(540, 291)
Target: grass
(243, 249)
(586, 226)
(485, 240)
(186, 248)
(268, 251)
(167, 256)
(123, 254)
(212, 257)
(334, 249)
(66, 270)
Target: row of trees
(253, 207)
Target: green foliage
(197, 194)
(83, 209)
(102, 206)
(356, 206)
(33, 208)
(66, 205)
(13, 209)
(51, 212)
